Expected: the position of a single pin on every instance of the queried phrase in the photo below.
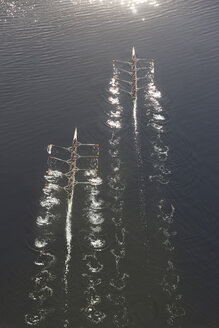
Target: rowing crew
(134, 79)
(72, 166)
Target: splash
(116, 193)
(42, 290)
(157, 119)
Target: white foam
(40, 243)
(97, 242)
(115, 114)
(96, 181)
(158, 117)
(96, 205)
(42, 221)
(156, 126)
(114, 90)
(95, 218)
(114, 124)
(55, 173)
(113, 100)
(51, 186)
(50, 202)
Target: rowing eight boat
(134, 77)
(71, 182)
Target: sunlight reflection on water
(133, 5)
(15, 8)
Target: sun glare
(133, 5)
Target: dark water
(143, 243)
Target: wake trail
(68, 238)
(42, 290)
(135, 119)
(164, 210)
(118, 280)
(94, 242)
(141, 179)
